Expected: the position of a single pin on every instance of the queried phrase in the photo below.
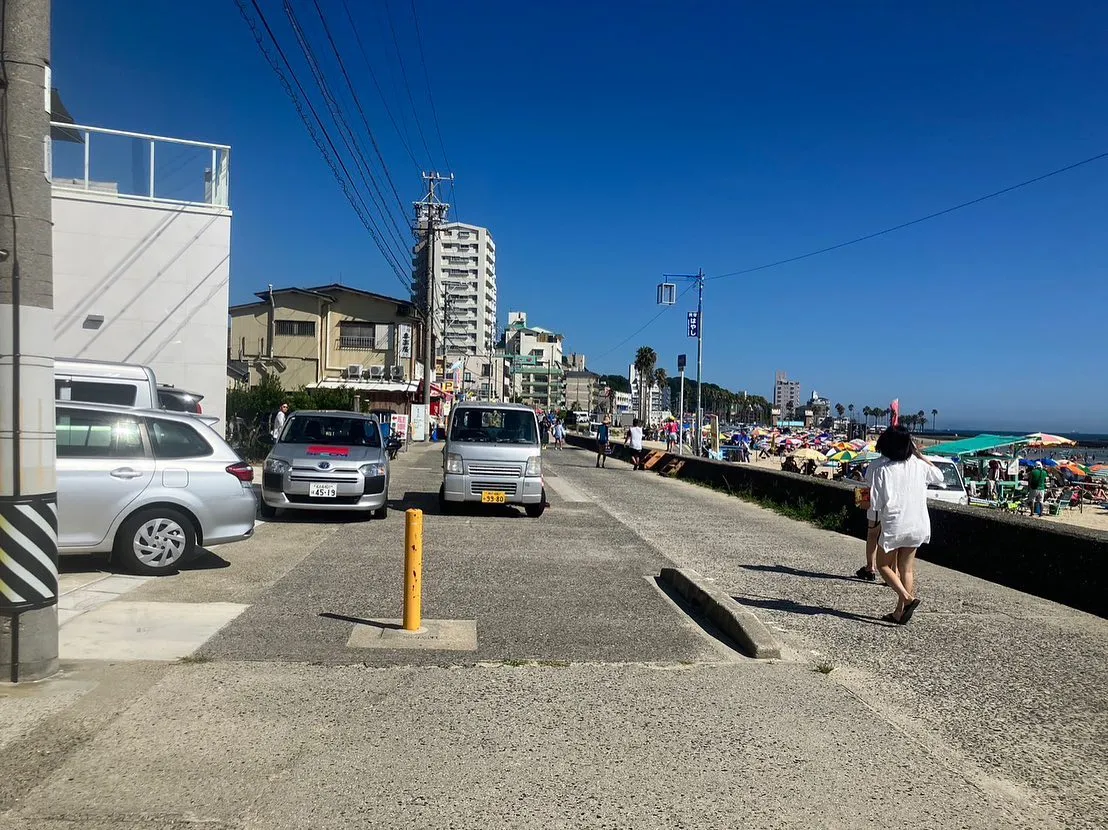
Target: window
(171, 439)
(121, 394)
(84, 434)
(331, 430)
(486, 370)
(294, 328)
(494, 426)
(357, 335)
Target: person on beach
(634, 438)
(603, 439)
(1037, 481)
(992, 480)
(898, 498)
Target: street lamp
(667, 295)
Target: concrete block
(738, 623)
(435, 635)
(123, 630)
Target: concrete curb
(730, 617)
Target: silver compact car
(492, 456)
(147, 486)
(327, 460)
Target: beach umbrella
(1048, 462)
(808, 454)
(843, 455)
(1045, 439)
(1070, 467)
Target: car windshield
(331, 430)
(951, 481)
(493, 426)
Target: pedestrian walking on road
(544, 431)
(868, 572)
(634, 439)
(899, 499)
(603, 443)
(559, 435)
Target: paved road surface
(592, 700)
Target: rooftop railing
(138, 166)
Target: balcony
(137, 166)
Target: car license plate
(318, 490)
(494, 497)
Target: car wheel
(155, 540)
(381, 512)
(535, 510)
(267, 511)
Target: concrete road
(592, 700)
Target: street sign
(667, 293)
(694, 324)
(682, 360)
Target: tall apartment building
(786, 393)
(465, 289)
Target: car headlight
(454, 463)
(534, 466)
(276, 465)
(372, 470)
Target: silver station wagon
(492, 456)
(327, 460)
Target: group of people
(555, 429)
(633, 440)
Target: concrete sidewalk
(1013, 684)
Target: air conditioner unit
(397, 372)
(354, 371)
(377, 372)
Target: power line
(645, 325)
(365, 120)
(903, 225)
(345, 132)
(333, 159)
(388, 110)
(430, 96)
(407, 86)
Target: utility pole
(429, 213)
(667, 295)
(681, 405)
(28, 483)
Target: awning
(977, 444)
(366, 385)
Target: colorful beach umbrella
(1045, 439)
(807, 453)
(843, 455)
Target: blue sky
(606, 143)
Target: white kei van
(93, 381)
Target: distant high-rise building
(465, 288)
(786, 393)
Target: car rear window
(97, 435)
(493, 426)
(172, 439)
(91, 391)
(331, 430)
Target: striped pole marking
(28, 552)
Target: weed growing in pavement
(193, 659)
(823, 668)
(546, 664)
(802, 511)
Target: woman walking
(603, 437)
(898, 498)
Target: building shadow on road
(793, 607)
(785, 569)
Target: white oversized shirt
(636, 437)
(871, 471)
(898, 497)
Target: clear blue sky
(606, 143)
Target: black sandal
(891, 618)
(909, 610)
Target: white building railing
(138, 166)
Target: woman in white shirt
(898, 497)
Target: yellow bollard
(413, 569)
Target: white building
(465, 288)
(786, 393)
(142, 254)
(656, 399)
(535, 360)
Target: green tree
(617, 383)
(840, 410)
(934, 418)
(867, 412)
(661, 379)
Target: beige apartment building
(330, 336)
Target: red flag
(895, 407)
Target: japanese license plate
(494, 497)
(318, 490)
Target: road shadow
(359, 621)
(696, 617)
(428, 502)
(84, 563)
(204, 560)
(785, 569)
(793, 607)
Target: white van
(953, 488)
(93, 381)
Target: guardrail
(138, 165)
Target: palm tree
(867, 411)
(934, 417)
(850, 408)
(840, 410)
(645, 360)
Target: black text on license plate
(494, 497)
(317, 490)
